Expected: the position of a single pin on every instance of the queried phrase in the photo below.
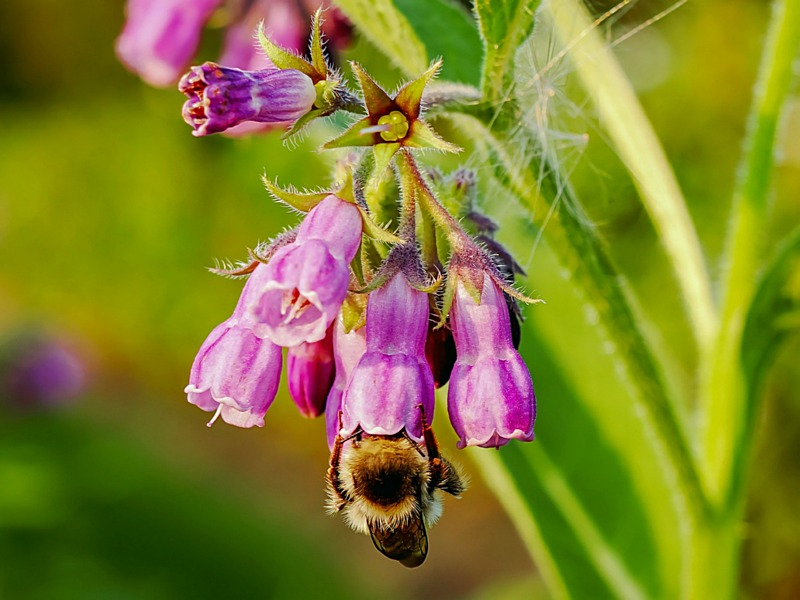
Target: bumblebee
(391, 487)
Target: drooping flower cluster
(374, 318)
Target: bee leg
(434, 458)
(443, 474)
(336, 458)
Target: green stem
(724, 399)
(639, 148)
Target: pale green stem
(640, 150)
(724, 401)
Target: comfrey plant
(374, 318)
(394, 285)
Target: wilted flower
(309, 371)
(392, 381)
(235, 372)
(222, 97)
(304, 284)
(490, 399)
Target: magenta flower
(309, 371)
(235, 372)
(348, 350)
(161, 37)
(491, 399)
(303, 287)
(221, 97)
(392, 380)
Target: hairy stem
(639, 148)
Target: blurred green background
(109, 212)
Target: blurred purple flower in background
(161, 37)
(38, 370)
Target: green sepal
(317, 54)
(409, 97)
(447, 298)
(302, 201)
(427, 288)
(472, 280)
(285, 59)
(515, 293)
(357, 265)
(300, 123)
(353, 136)
(354, 311)
(422, 136)
(375, 231)
(383, 157)
(376, 99)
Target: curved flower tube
(490, 400)
(392, 380)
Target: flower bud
(392, 381)
(222, 97)
(161, 36)
(302, 288)
(491, 398)
(309, 371)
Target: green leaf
(447, 31)
(583, 254)
(389, 30)
(575, 492)
(638, 146)
(503, 25)
(724, 403)
(774, 315)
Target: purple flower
(41, 372)
(235, 372)
(491, 399)
(161, 36)
(302, 289)
(348, 349)
(221, 97)
(309, 371)
(392, 380)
